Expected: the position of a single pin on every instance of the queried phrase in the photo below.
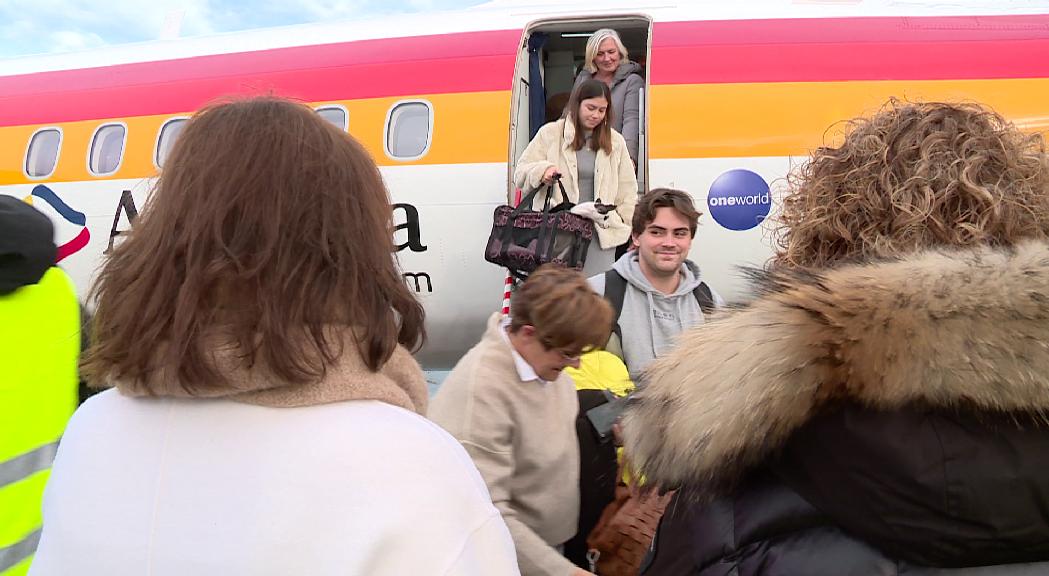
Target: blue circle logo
(739, 199)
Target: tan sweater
(521, 435)
(399, 382)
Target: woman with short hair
(266, 415)
(607, 60)
(514, 410)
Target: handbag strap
(526, 202)
(564, 195)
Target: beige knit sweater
(521, 435)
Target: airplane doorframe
(630, 26)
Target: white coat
(210, 487)
(614, 180)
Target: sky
(47, 26)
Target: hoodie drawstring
(652, 323)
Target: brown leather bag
(620, 541)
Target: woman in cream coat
(266, 416)
(594, 165)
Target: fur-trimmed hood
(943, 329)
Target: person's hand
(551, 173)
(617, 433)
(581, 572)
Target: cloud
(41, 26)
(63, 25)
(69, 41)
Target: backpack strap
(703, 296)
(615, 291)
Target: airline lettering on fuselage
(411, 224)
(415, 277)
(127, 205)
(415, 280)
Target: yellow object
(601, 370)
(39, 348)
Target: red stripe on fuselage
(842, 49)
(449, 63)
(730, 51)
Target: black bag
(523, 239)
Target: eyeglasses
(570, 356)
(566, 355)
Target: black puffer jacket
(867, 492)
(886, 419)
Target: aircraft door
(551, 55)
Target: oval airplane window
(336, 115)
(107, 149)
(42, 153)
(169, 133)
(409, 127)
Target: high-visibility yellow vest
(39, 349)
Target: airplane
(735, 95)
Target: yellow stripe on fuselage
(468, 128)
(793, 118)
(685, 121)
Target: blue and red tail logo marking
(70, 215)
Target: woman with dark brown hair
(880, 408)
(592, 162)
(267, 416)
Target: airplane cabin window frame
(388, 127)
(158, 162)
(95, 140)
(345, 115)
(30, 149)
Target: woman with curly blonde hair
(915, 176)
(881, 407)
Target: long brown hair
(268, 223)
(601, 139)
(915, 176)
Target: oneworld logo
(739, 199)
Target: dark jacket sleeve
(932, 488)
(763, 528)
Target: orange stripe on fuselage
(468, 128)
(685, 121)
(792, 118)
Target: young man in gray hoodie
(657, 292)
